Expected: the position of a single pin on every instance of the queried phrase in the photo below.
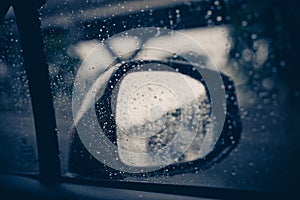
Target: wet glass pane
(17, 134)
(104, 91)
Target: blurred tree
(275, 21)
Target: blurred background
(253, 42)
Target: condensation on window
(17, 133)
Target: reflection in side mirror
(159, 116)
(151, 107)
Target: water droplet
(233, 173)
(244, 23)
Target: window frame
(45, 125)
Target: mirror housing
(105, 112)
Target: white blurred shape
(124, 47)
(95, 57)
(213, 43)
(262, 52)
(144, 97)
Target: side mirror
(159, 117)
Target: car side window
(190, 93)
(18, 142)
